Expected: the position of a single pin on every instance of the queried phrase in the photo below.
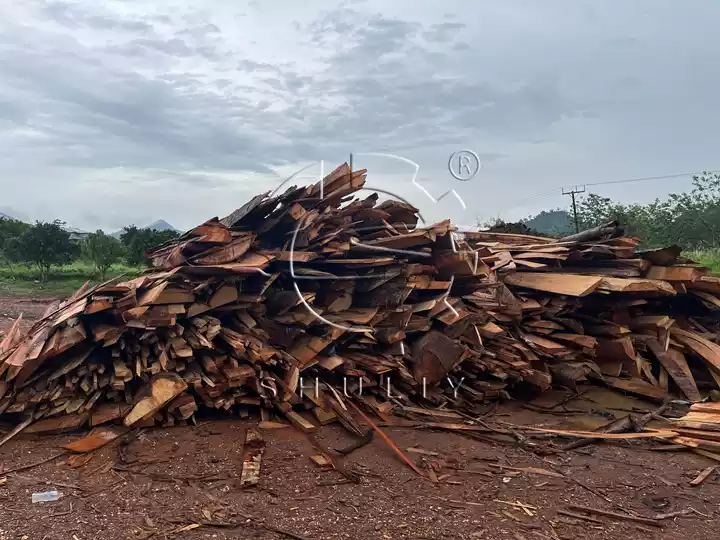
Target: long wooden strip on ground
(253, 450)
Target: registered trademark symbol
(463, 165)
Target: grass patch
(707, 257)
(63, 280)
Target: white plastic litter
(46, 496)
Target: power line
(554, 191)
(646, 178)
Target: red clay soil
(31, 308)
(163, 483)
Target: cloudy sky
(119, 112)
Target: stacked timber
(298, 300)
(251, 310)
(593, 305)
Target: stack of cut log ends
(247, 312)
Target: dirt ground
(183, 482)
(31, 309)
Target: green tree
(137, 241)
(10, 231)
(689, 219)
(45, 245)
(696, 215)
(102, 250)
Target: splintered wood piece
(161, 389)
(299, 422)
(269, 424)
(704, 475)
(97, 438)
(152, 294)
(625, 517)
(410, 463)
(252, 458)
(704, 348)
(12, 336)
(434, 355)
(616, 284)
(676, 365)
(321, 460)
(227, 253)
(308, 347)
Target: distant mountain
(159, 225)
(553, 222)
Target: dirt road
(182, 482)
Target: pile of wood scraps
(307, 289)
(297, 301)
(594, 306)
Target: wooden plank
(12, 337)
(704, 348)
(649, 434)
(713, 408)
(567, 284)
(710, 284)
(628, 285)
(96, 439)
(108, 412)
(676, 273)
(588, 342)
(300, 423)
(160, 390)
(676, 365)
(636, 386)
(253, 450)
(61, 424)
(704, 475)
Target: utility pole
(572, 193)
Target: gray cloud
(173, 47)
(73, 16)
(107, 100)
